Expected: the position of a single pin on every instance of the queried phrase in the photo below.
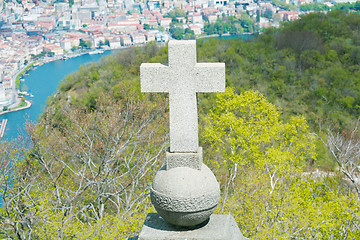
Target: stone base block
(218, 227)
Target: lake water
(243, 37)
(42, 83)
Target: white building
(162, 37)
(114, 43)
(4, 98)
(220, 3)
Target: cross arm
(210, 77)
(154, 77)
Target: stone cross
(182, 78)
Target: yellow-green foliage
(246, 130)
(53, 224)
(259, 160)
(303, 208)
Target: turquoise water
(243, 37)
(42, 83)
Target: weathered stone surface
(185, 204)
(182, 78)
(191, 160)
(219, 227)
(185, 219)
(184, 192)
(190, 194)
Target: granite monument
(185, 192)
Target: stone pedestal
(218, 227)
(185, 192)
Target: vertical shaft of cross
(183, 122)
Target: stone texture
(184, 192)
(191, 195)
(218, 227)
(191, 160)
(182, 78)
(185, 204)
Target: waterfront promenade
(27, 105)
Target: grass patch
(17, 81)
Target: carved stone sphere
(185, 196)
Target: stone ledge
(191, 160)
(218, 227)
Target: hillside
(309, 67)
(97, 145)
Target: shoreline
(45, 60)
(52, 59)
(28, 105)
(224, 35)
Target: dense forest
(283, 140)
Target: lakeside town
(32, 31)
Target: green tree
(146, 26)
(82, 43)
(85, 44)
(51, 54)
(177, 31)
(209, 29)
(246, 130)
(101, 43)
(161, 28)
(50, 180)
(177, 12)
(88, 44)
(189, 34)
(283, 5)
(357, 6)
(259, 160)
(268, 13)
